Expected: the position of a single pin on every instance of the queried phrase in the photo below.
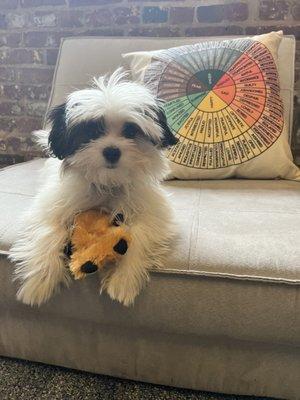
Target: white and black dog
(107, 142)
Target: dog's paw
(38, 288)
(34, 291)
(122, 288)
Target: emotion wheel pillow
(223, 102)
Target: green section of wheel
(196, 98)
(174, 105)
(177, 115)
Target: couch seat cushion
(229, 228)
(234, 273)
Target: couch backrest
(82, 58)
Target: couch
(223, 315)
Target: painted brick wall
(30, 32)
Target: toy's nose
(121, 247)
(112, 154)
(89, 267)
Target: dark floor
(31, 381)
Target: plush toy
(95, 241)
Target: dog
(107, 145)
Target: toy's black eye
(131, 130)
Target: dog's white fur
(83, 180)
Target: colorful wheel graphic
(222, 100)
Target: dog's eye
(131, 130)
(95, 129)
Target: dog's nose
(112, 154)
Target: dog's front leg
(151, 237)
(40, 262)
(38, 250)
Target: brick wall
(30, 33)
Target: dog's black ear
(168, 137)
(58, 141)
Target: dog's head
(113, 133)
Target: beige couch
(224, 314)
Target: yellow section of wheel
(211, 103)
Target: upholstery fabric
(203, 333)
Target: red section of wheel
(226, 93)
(225, 81)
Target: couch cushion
(18, 185)
(234, 273)
(234, 228)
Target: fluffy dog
(107, 142)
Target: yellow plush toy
(95, 241)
